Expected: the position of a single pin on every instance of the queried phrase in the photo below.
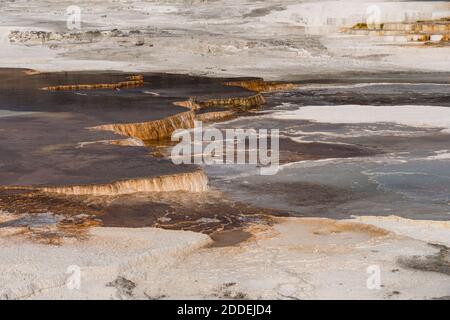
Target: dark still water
(406, 126)
(353, 148)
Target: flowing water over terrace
(346, 148)
(73, 148)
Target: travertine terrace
(98, 149)
(82, 132)
(431, 31)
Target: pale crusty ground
(32, 270)
(297, 258)
(273, 39)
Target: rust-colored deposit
(70, 178)
(153, 130)
(209, 212)
(195, 181)
(133, 81)
(239, 103)
(216, 116)
(425, 31)
(261, 86)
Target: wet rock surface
(51, 144)
(66, 154)
(49, 218)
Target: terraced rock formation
(153, 130)
(259, 85)
(55, 151)
(133, 81)
(238, 103)
(215, 115)
(434, 31)
(66, 142)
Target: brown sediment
(242, 103)
(73, 228)
(261, 86)
(210, 213)
(360, 26)
(23, 201)
(327, 226)
(133, 81)
(48, 236)
(323, 236)
(52, 233)
(215, 115)
(76, 217)
(206, 212)
(137, 77)
(195, 181)
(153, 130)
